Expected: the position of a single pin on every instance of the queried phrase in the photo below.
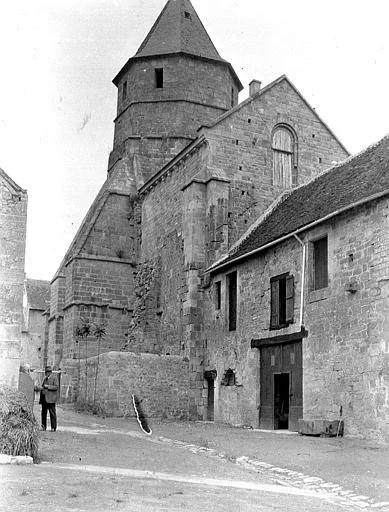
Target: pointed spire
(178, 29)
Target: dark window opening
(320, 264)
(218, 294)
(320, 160)
(232, 300)
(282, 301)
(249, 120)
(187, 15)
(232, 97)
(124, 91)
(159, 78)
(229, 378)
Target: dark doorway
(281, 401)
(211, 400)
(281, 385)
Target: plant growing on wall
(99, 332)
(82, 332)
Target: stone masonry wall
(13, 216)
(33, 339)
(200, 83)
(345, 356)
(161, 382)
(241, 146)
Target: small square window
(159, 78)
(188, 15)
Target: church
(192, 280)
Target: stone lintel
(280, 339)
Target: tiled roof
(356, 179)
(38, 293)
(178, 29)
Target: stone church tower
(190, 171)
(175, 83)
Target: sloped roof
(178, 30)
(38, 293)
(262, 92)
(359, 178)
(175, 31)
(11, 185)
(120, 182)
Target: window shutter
(274, 304)
(289, 306)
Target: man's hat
(48, 369)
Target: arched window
(229, 378)
(284, 157)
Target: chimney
(255, 86)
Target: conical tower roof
(178, 30)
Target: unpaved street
(95, 464)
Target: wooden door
(280, 375)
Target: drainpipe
(302, 280)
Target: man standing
(48, 397)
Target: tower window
(187, 15)
(124, 91)
(159, 78)
(232, 97)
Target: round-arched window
(283, 146)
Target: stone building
(36, 298)
(297, 314)
(191, 172)
(13, 219)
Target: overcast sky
(57, 101)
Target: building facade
(298, 311)
(13, 219)
(36, 298)
(192, 171)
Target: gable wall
(249, 164)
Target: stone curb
(15, 459)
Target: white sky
(57, 102)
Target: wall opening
(281, 401)
(159, 78)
